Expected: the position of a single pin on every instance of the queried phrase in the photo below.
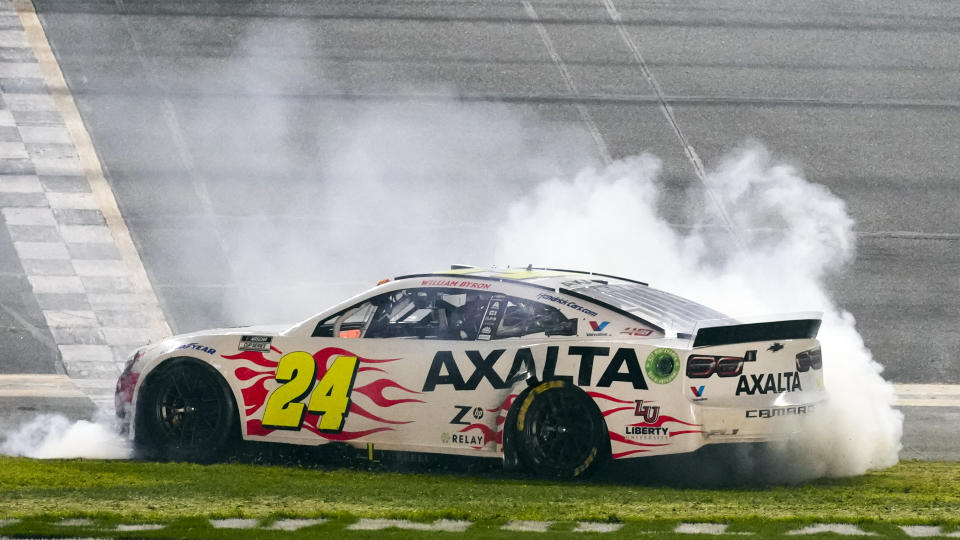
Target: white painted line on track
(928, 402)
(443, 525)
(701, 528)
(295, 524)
(102, 193)
(596, 527)
(79, 522)
(56, 386)
(568, 80)
(86, 343)
(527, 526)
(141, 527)
(52, 538)
(844, 529)
(928, 395)
(8, 522)
(234, 523)
(921, 531)
(197, 179)
(671, 118)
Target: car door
(360, 376)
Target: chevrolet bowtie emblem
(775, 347)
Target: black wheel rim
(562, 430)
(189, 408)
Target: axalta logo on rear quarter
(770, 383)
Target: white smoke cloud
(391, 187)
(789, 234)
(383, 188)
(52, 436)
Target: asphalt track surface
(863, 97)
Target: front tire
(559, 431)
(186, 413)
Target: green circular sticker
(663, 365)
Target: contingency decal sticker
(663, 365)
(482, 434)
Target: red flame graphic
(608, 412)
(491, 435)
(616, 410)
(245, 374)
(598, 395)
(488, 434)
(374, 391)
(663, 419)
(253, 356)
(255, 393)
(675, 433)
(505, 405)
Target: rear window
(663, 309)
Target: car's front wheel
(559, 431)
(186, 413)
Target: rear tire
(559, 431)
(185, 413)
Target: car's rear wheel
(559, 431)
(185, 413)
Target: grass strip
(196, 529)
(912, 492)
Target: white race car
(555, 370)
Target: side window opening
(325, 327)
(354, 321)
(449, 314)
(523, 317)
(349, 323)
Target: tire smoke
(768, 253)
(382, 188)
(53, 436)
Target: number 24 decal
(330, 398)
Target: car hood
(201, 336)
(261, 330)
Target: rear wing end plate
(729, 331)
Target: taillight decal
(809, 359)
(702, 366)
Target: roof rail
(595, 274)
(481, 278)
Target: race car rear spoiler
(727, 331)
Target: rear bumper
(773, 423)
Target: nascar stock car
(553, 370)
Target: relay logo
(598, 327)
